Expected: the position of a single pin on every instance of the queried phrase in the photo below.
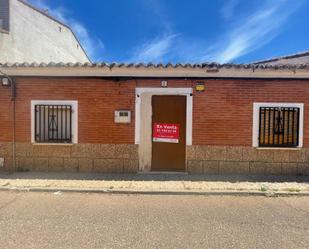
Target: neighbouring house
(29, 34)
(295, 59)
(196, 118)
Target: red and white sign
(167, 133)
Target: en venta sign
(167, 133)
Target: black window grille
(53, 123)
(279, 127)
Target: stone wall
(105, 158)
(6, 154)
(247, 160)
(123, 158)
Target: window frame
(74, 127)
(256, 121)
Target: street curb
(160, 192)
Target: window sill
(53, 144)
(277, 148)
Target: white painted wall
(34, 37)
(294, 61)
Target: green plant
(264, 188)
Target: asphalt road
(70, 220)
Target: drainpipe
(13, 98)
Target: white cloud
(244, 35)
(253, 31)
(93, 45)
(228, 8)
(160, 48)
(154, 50)
(162, 17)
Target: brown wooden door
(169, 154)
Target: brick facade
(222, 120)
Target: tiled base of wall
(105, 158)
(246, 160)
(123, 158)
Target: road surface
(71, 220)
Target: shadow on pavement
(150, 177)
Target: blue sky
(193, 31)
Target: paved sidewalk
(155, 183)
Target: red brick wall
(5, 114)
(222, 114)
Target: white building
(293, 59)
(31, 35)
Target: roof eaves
(153, 65)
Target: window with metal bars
(53, 123)
(279, 126)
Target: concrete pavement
(73, 220)
(155, 183)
